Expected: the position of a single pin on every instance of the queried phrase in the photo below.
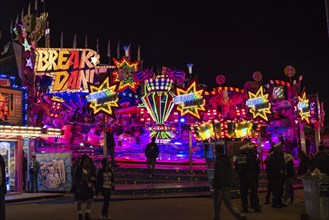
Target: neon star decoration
(29, 63)
(95, 59)
(303, 107)
(190, 101)
(259, 105)
(103, 98)
(124, 74)
(26, 45)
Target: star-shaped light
(95, 60)
(106, 107)
(124, 74)
(259, 104)
(303, 107)
(26, 45)
(193, 110)
(29, 63)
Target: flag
(62, 36)
(118, 50)
(109, 49)
(22, 14)
(36, 5)
(11, 27)
(86, 42)
(18, 54)
(29, 9)
(75, 41)
(129, 51)
(139, 53)
(97, 45)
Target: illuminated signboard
(303, 107)
(124, 74)
(71, 69)
(190, 100)
(243, 129)
(12, 102)
(278, 92)
(103, 98)
(259, 105)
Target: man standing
(247, 165)
(151, 153)
(34, 173)
(222, 184)
(3, 188)
(110, 146)
(24, 171)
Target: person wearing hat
(248, 168)
(34, 174)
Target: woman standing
(83, 186)
(105, 184)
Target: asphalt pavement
(190, 208)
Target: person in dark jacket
(277, 171)
(268, 175)
(110, 141)
(34, 174)
(222, 183)
(248, 168)
(3, 188)
(83, 186)
(105, 184)
(303, 162)
(321, 160)
(24, 172)
(151, 154)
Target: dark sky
(233, 38)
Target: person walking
(222, 183)
(3, 188)
(151, 153)
(105, 184)
(110, 141)
(83, 187)
(34, 174)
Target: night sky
(232, 38)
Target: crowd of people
(280, 174)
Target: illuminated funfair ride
(57, 79)
(263, 113)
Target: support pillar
(19, 165)
(317, 134)
(190, 149)
(302, 136)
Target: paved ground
(200, 208)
